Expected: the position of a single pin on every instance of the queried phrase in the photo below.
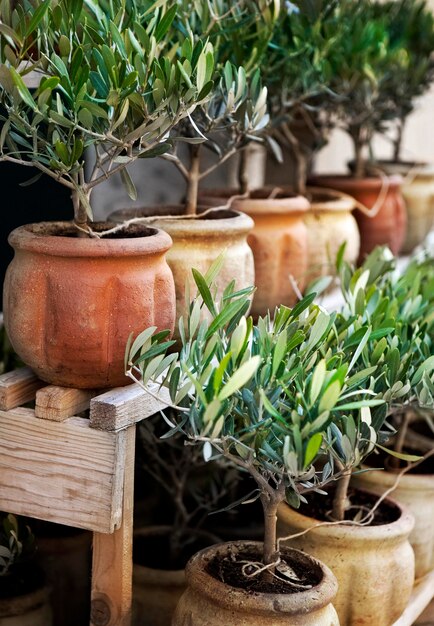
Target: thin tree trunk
(398, 141)
(243, 179)
(300, 161)
(359, 171)
(80, 214)
(400, 439)
(193, 181)
(270, 553)
(341, 497)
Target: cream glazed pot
(416, 491)
(210, 602)
(197, 242)
(374, 565)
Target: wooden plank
(58, 403)
(18, 387)
(422, 595)
(113, 556)
(61, 472)
(123, 406)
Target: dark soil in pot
(229, 570)
(319, 507)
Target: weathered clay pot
(330, 223)
(156, 592)
(418, 192)
(278, 241)
(416, 491)
(210, 602)
(386, 226)
(32, 609)
(71, 303)
(198, 241)
(374, 565)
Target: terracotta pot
(32, 609)
(66, 558)
(416, 491)
(156, 592)
(210, 602)
(197, 242)
(418, 192)
(385, 227)
(330, 223)
(71, 303)
(278, 242)
(374, 565)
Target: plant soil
(64, 229)
(320, 506)
(154, 551)
(229, 570)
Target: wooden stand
(76, 471)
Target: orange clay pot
(385, 227)
(278, 241)
(71, 303)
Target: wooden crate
(77, 471)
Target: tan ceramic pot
(198, 241)
(278, 241)
(71, 303)
(386, 225)
(156, 592)
(330, 223)
(32, 609)
(374, 565)
(416, 491)
(210, 602)
(418, 192)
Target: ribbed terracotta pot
(210, 602)
(418, 192)
(156, 592)
(278, 241)
(32, 609)
(416, 491)
(71, 303)
(197, 242)
(374, 565)
(385, 227)
(330, 223)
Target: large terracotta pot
(330, 223)
(71, 303)
(210, 602)
(418, 192)
(374, 565)
(197, 242)
(416, 491)
(278, 241)
(156, 592)
(32, 609)
(386, 225)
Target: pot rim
(258, 603)
(416, 169)
(337, 202)
(259, 202)
(349, 183)
(42, 238)
(415, 482)
(391, 532)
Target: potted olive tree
(23, 597)
(262, 397)
(411, 29)
(361, 67)
(408, 298)
(106, 88)
(231, 117)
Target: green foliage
(16, 543)
(109, 80)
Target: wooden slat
(422, 595)
(112, 558)
(58, 403)
(18, 387)
(121, 407)
(63, 472)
